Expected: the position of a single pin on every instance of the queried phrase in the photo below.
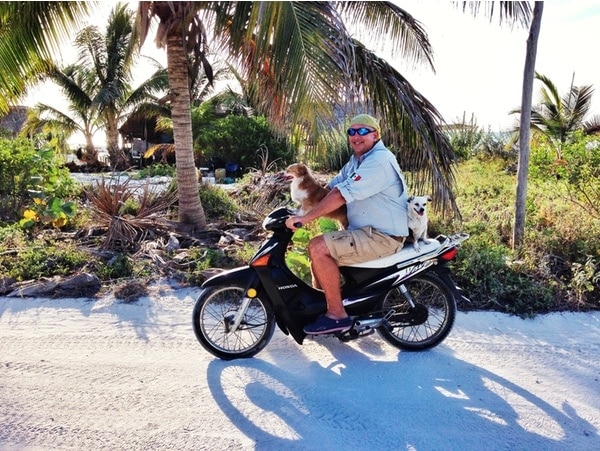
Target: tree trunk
(190, 207)
(118, 158)
(524, 133)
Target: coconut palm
(302, 65)
(556, 117)
(98, 88)
(109, 54)
(76, 83)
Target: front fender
(243, 276)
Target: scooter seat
(406, 253)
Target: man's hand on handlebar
(294, 222)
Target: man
(374, 191)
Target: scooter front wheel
(426, 322)
(231, 326)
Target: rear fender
(443, 272)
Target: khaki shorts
(348, 247)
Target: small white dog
(417, 219)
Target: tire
(213, 315)
(430, 322)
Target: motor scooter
(409, 297)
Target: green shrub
(217, 203)
(484, 271)
(29, 173)
(575, 176)
(237, 139)
(118, 267)
(43, 259)
(156, 170)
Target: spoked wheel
(225, 330)
(425, 324)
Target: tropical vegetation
(98, 88)
(304, 73)
(556, 117)
(558, 267)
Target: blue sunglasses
(361, 131)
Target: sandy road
(98, 374)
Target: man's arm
(332, 201)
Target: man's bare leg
(327, 274)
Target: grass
(554, 270)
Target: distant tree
(519, 12)
(78, 85)
(98, 89)
(556, 117)
(109, 55)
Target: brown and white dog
(307, 192)
(417, 219)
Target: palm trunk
(118, 158)
(524, 132)
(190, 207)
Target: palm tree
(524, 142)
(78, 85)
(98, 88)
(556, 117)
(181, 31)
(29, 33)
(520, 12)
(301, 65)
(110, 56)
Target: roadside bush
(484, 271)
(551, 271)
(576, 175)
(33, 177)
(41, 258)
(217, 204)
(238, 139)
(156, 170)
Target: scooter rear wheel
(427, 323)
(214, 318)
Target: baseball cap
(365, 119)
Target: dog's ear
(410, 199)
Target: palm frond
(29, 33)
(48, 119)
(387, 23)
(519, 13)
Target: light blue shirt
(375, 191)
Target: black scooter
(408, 297)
